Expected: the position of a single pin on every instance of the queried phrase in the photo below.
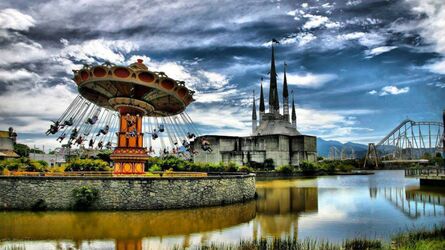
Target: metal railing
(425, 172)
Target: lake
(328, 207)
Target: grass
(421, 239)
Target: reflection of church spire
(254, 123)
(274, 104)
(262, 107)
(294, 114)
(285, 96)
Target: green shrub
(84, 197)
(23, 164)
(87, 165)
(246, 169)
(345, 168)
(231, 167)
(285, 169)
(269, 164)
(154, 168)
(308, 167)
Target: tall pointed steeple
(294, 114)
(254, 122)
(285, 96)
(274, 104)
(262, 106)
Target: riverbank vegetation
(172, 163)
(422, 239)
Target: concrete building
(274, 135)
(7, 141)
(52, 159)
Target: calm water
(332, 208)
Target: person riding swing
(53, 128)
(104, 131)
(61, 137)
(73, 134)
(92, 120)
(190, 135)
(68, 122)
(154, 135)
(205, 145)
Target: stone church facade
(274, 135)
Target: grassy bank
(412, 240)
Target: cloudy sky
(357, 67)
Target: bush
(154, 168)
(231, 167)
(308, 168)
(23, 164)
(269, 164)
(84, 197)
(345, 168)
(87, 165)
(246, 169)
(285, 169)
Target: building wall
(52, 160)
(21, 192)
(6, 143)
(282, 149)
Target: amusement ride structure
(134, 104)
(410, 141)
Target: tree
(22, 149)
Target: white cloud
(34, 107)
(17, 75)
(379, 50)
(372, 92)
(430, 28)
(351, 36)
(301, 39)
(372, 39)
(437, 67)
(209, 86)
(310, 80)
(99, 49)
(314, 21)
(393, 90)
(14, 19)
(353, 2)
(21, 52)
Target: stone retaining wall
(126, 193)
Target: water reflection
(278, 209)
(331, 207)
(413, 202)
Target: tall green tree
(22, 149)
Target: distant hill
(323, 147)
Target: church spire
(294, 114)
(254, 123)
(274, 104)
(285, 95)
(262, 106)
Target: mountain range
(323, 148)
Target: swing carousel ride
(138, 106)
